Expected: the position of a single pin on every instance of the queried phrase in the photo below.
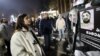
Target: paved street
(58, 48)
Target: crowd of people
(19, 38)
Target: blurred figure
(46, 29)
(5, 31)
(60, 26)
(3, 50)
(1, 21)
(23, 39)
(38, 25)
(33, 22)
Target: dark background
(15, 7)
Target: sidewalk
(58, 48)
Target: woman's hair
(20, 22)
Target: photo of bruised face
(87, 19)
(86, 16)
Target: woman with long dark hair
(23, 42)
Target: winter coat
(60, 24)
(22, 44)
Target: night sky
(8, 7)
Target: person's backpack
(95, 3)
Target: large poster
(90, 26)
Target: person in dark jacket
(46, 29)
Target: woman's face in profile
(86, 17)
(73, 17)
(27, 21)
